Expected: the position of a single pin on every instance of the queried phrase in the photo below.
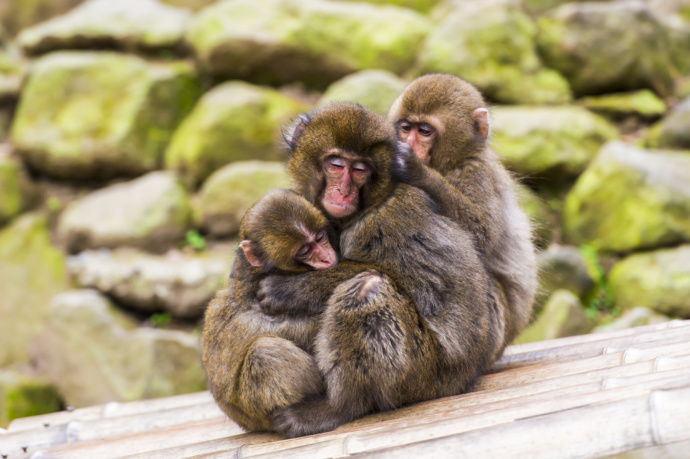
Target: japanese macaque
(419, 321)
(445, 122)
(256, 363)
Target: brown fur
(420, 323)
(469, 184)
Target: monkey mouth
(338, 209)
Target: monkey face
(317, 251)
(345, 174)
(420, 135)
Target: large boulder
(674, 130)
(128, 25)
(151, 212)
(376, 89)
(95, 354)
(552, 142)
(491, 44)
(17, 193)
(10, 77)
(312, 41)
(630, 199)
(233, 122)
(635, 317)
(608, 46)
(32, 271)
(16, 15)
(227, 194)
(658, 280)
(563, 315)
(179, 283)
(22, 396)
(87, 115)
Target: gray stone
(630, 199)
(94, 354)
(90, 116)
(376, 89)
(608, 46)
(17, 15)
(234, 121)
(227, 194)
(538, 212)
(129, 25)
(674, 130)
(659, 280)
(177, 282)
(150, 212)
(562, 267)
(315, 42)
(552, 142)
(32, 271)
(17, 193)
(563, 315)
(491, 44)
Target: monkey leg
(369, 348)
(275, 373)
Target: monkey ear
(293, 133)
(481, 122)
(251, 252)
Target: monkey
(445, 122)
(254, 362)
(379, 345)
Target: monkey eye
(336, 162)
(304, 251)
(426, 130)
(405, 126)
(321, 236)
(360, 169)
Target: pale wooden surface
(624, 393)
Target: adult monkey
(445, 121)
(380, 345)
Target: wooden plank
(422, 427)
(595, 430)
(110, 410)
(678, 450)
(590, 348)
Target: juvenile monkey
(379, 344)
(446, 123)
(256, 363)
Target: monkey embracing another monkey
(420, 322)
(256, 363)
(446, 123)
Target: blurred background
(135, 133)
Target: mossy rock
(635, 317)
(235, 121)
(659, 280)
(22, 396)
(538, 212)
(674, 130)
(17, 15)
(91, 116)
(492, 46)
(129, 25)
(315, 42)
(11, 69)
(31, 272)
(563, 315)
(552, 142)
(423, 6)
(608, 47)
(630, 199)
(227, 194)
(151, 212)
(17, 193)
(643, 104)
(562, 267)
(194, 5)
(376, 89)
(94, 354)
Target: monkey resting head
(285, 231)
(340, 159)
(443, 118)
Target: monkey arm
(304, 293)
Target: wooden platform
(585, 396)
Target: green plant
(600, 299)
(195, 240)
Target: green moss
(644, 103)
(21, 396)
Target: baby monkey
(256, 363)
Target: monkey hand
(406, 166)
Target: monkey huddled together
(397, 270)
